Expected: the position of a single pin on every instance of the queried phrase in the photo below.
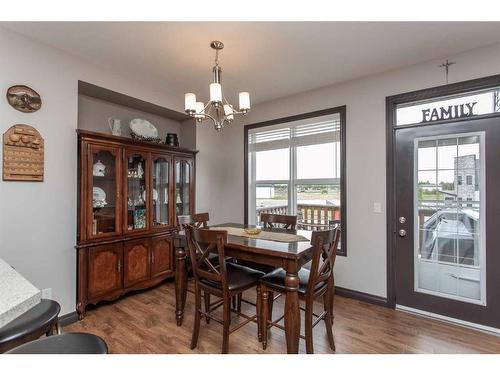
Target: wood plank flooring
(145, 323)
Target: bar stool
(37, 321)
(68, 343)
(314, 283)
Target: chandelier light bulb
(215, 92)
(228, 111)
(218, 109)
(200, 108)
(190, 102)
(244, 101)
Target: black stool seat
(238, 277)
(276, 280)
(38, 320)
(68, 343)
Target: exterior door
(446, 259)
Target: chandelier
(218, 108)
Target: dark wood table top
(289, 250)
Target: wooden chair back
(201, 242)
(286, 221)
(201, 219)
(325, 244)
(182, 220)
(198, 220)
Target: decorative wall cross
(446, 67)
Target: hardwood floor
(145, 323)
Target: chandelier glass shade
(217, 109)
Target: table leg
(180, 283)
(292, 312)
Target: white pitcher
(115, 126)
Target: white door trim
(463, 323)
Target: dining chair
(199, 220)
(223, 280)
(314, 283)
(286, 221)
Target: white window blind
(298, 133)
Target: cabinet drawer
(136, 265)
(104, 271)
(161, 256)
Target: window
(468, 104)
(294, 167)
(469, 180)
(459, 180)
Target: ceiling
(268, 59)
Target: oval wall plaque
(24, 98)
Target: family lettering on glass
(449, 112)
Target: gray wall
(38, 219)
(220, 161)
(93, 115)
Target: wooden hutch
(130, 193)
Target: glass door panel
(448, 246)
(161, 184)
(104, 187)
(183, 171)
(137, 208)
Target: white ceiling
(269, 60)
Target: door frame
(391, 103)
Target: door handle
(402, 233)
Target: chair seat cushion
(36, 321)
(68, 343)
(276, 280)
(239, 277)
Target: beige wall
(38, 220)
(364, 269)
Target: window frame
(249, 191)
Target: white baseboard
(479, 327)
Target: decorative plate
(143, 128)
(98, 197)
(24, 98)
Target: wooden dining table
(289, 255)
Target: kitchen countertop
(17, 295)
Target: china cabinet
(130, 193)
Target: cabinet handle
(119, 266)
(152, 257)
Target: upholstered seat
(276, 280)
(40, 319)
(68, 343)
(238, 277)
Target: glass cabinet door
(183, 180)
(161, 186)
(104, 173)
(136, 191)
